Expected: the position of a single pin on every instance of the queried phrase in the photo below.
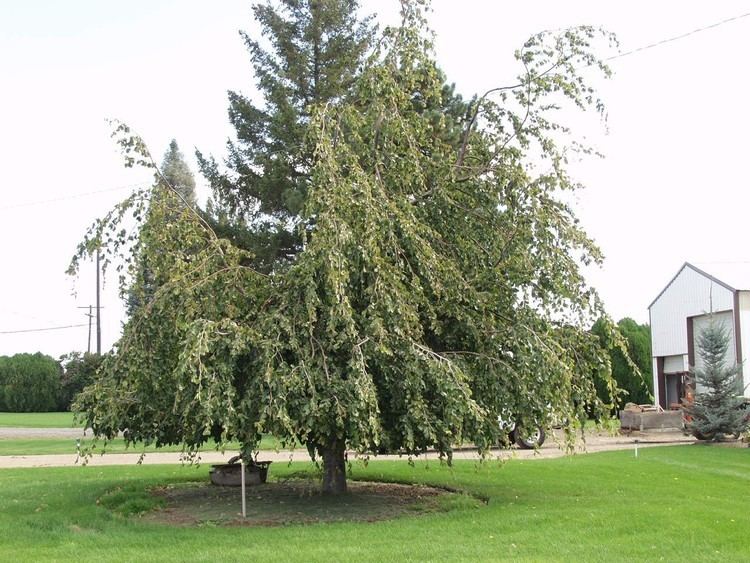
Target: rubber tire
(699, 436)
(527, 445)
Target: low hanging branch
(569, 48)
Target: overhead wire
(678, 37)
(72, 196)
(42, 329)
(28, 316)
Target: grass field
(675, 504)
(45, 446)
(37, 419)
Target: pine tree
(180, 191)
(177, 172)
(315, 50)
(716, 410)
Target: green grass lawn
(37, 419)
(42, 446)
(683, 503)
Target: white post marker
(636, 448)
(242, 483)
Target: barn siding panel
(726, 320)
(690, 294)
(745, 338)
(675, 364)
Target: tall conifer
(180, 191)
(177, 172)
(309, 56)
(716, 410)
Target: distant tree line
(39, 383)
(635, 387)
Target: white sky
(672, 188)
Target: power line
(678, 37)
(41, 329)
(27, 315)
(72, 196)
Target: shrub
(637, 387)
(29, 383)
(718, 409)
(80, 370)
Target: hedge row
(39, 383)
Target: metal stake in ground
(242, 487)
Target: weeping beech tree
(437, 286)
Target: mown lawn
(42, 446)
(37, 420)
(51, 446)
(683, 503)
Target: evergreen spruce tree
(315, 48)
(177, 172)
(716, 410)
(176, 183)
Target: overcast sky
(673, 185)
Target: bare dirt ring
(299, 501)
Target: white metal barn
(678, 314)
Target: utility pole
(90, 315)
(98, 308)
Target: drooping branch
(478, 104)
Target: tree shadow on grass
(286, 502)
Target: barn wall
(725, 320)
(690, 294)
(675, 364)
(656, 364)
(744, 302)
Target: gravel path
(595, 442)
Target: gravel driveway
(595, 442)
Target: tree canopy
(79, 370)
(29, 383)
(311, 54)
(631, 367)
(436, 285)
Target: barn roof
(735, 276)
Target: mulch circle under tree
(300, 501)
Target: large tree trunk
(334, 468)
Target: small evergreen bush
(718, 408)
